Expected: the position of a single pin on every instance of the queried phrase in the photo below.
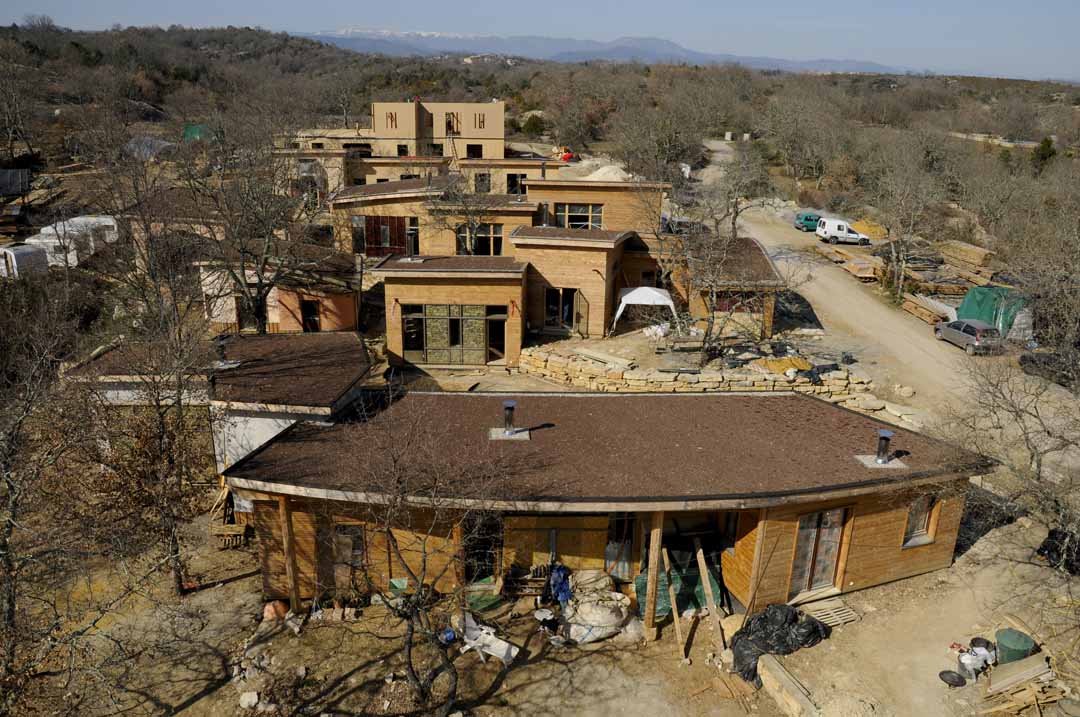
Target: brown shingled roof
(747, 263)
(603, 447)
(291, 369)
(464, 263)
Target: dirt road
(894, 347)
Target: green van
(806, 221)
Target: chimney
(884, 436)
(508, 417)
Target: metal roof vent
(883, 458)
(508, 432)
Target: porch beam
(767, 315)
(656, 534)
(288, 544)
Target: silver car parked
(969, 334)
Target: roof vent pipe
(884, 436)
(508, 417)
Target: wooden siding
(313, 529)
(580, 540)
(873, 533)
(738, 565)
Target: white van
(835, 231)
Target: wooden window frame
(922, 536)
(591, 217)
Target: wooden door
(817, 551)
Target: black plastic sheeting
(776, 630)
(1061, 550)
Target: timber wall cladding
(873, 551)
(314, 541)
(738, 567)
(580, 540)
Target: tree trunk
(175, 562)
(8, 583)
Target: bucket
(1013, 645)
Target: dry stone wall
(850, 388)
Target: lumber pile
(1018, 686)
(916, 308)
(829, 253)
(961, 253)
(860, 269)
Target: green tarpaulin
(195, 132)
(994, 305)
(689, 591)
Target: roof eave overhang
(608, 504)
(476, 274)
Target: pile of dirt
(609, 173)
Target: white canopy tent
(643, 296)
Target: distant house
(783, 492)
(73, 240)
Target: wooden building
(783, 492)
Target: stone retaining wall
(849, 388)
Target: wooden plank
(1005, 677)
(675, 617)
(656, 533)
(289, 544)
(706, 582)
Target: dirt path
(895, 347)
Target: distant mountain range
(649, 50)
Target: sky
(1035, 39)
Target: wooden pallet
(833, 612)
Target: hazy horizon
(969, 37)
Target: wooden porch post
(289, 546)
(767, 314)
(656, 532)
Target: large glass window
(482, 183)
(412, 237)
(487, 240)
(453, 334)
(579, 216)
(515, 183)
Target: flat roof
(465, 264)
(585, 183)
(561, 235)
(312, 370)
(421, 185)
(610, 450)
(301, 370)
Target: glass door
(817, 551)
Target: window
(515, 183)
(403, 150)
(309, 315)
(474, 151)
(482, 183)
(358, 149)
(969, 330)
(294, 145)
(486, 240)
(559, 308)
(359, 181)
(384, 236)
(412, 237)
(382, 181)
(620, 545)
(478, 120)
(579, 216)
(436, 149)
(391, 120)
(409, 176)
(453, 123)
(359, 235)
(450, 334)
(917, 531)
(316, 145)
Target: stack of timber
(921, 311)
(966, 255)
(859, 263)
(1017, 686)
